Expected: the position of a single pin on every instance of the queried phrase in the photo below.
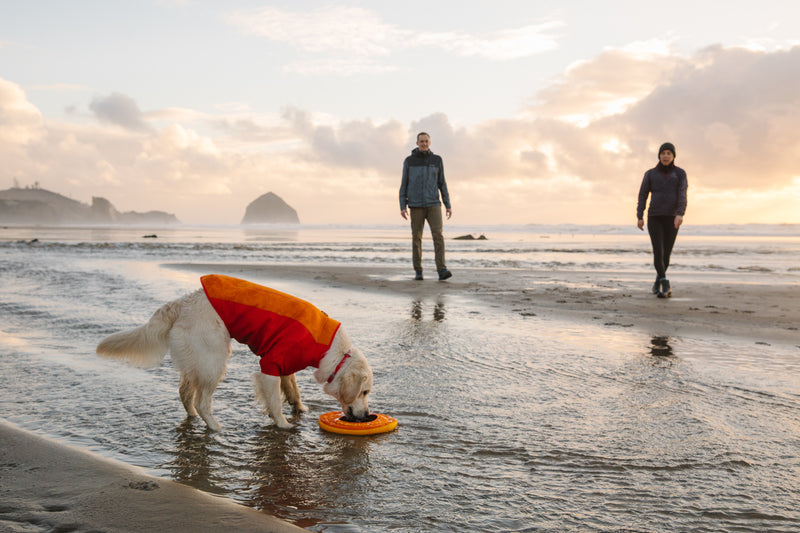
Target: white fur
(200, 345)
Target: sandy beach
(49, 486)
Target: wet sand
(46, 485)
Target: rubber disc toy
(376, 423)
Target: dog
(289, 334)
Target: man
(423, 180)
(666, 185)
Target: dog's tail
(146, 345)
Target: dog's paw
(213, 425)
(299, 408)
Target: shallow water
(507, 423)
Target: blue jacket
(667, 190)
(423, 179)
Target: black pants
(662, 235)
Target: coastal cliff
(40, 206)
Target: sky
(544, 112)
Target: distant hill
(40, 206)
(270, 209)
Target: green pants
(434, 217)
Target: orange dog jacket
(289, 334)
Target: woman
(667, 185)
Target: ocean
(506, 423)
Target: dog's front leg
(268, 393)
(292, 393)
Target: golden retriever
(199, 341)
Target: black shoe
(665, 291)
(657, 286)
(418, 277)
(444, 274)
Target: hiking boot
(665, 291)
(418, 277)
(444, 274)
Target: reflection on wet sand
(660, 347)
(286, 478)
(192, 461)
(285, 471)
(417, 310)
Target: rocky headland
(40, 206)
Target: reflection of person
(667, 185)
(438, 311)
(659, 347)
(423, 180)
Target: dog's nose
(350, 416)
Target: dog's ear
(351, 386)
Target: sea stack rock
(270, 209)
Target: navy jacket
(423, 180)
(667, 190)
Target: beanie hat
(667, 146)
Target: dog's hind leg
(203, 405)
(208, 376)
(200, 348)
(292, 393)
(187, 392)
(268, 394)
(200, 371)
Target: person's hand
(640, 224)
(404, 214)
(678, 221)
(449, 213)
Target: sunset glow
(542, 114)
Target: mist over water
(506, 422)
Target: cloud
(351, 144)
(502, 45)
(120, 110)
(346, 40)
(604, 85)
(351, 30)
(20, 121)
(731, 112)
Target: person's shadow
(660, 347)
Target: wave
(758, 249)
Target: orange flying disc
(377, 424)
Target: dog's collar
(339, 366)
